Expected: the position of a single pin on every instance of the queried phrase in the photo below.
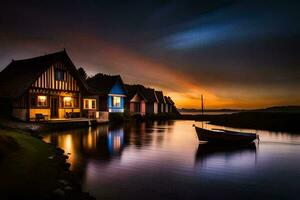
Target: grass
(25, 170)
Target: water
(164, 160)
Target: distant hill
(280, 109)
(209, 110)
(270, 109)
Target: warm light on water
(164, 160)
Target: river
(164, 160)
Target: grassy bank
(27, 169)
(33, 169)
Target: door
(137, 107)
(54, 107)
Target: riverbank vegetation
(33, 169)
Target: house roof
(19, 75)
(171, 101)
(132, 90)
(103, 83)
(167, 99)
(160, 97)
(148, 94)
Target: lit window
(68, 102)
(93, 104)
(86, 104)
(116, 101)
(89, 104)
(41, 101)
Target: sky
(238, 54)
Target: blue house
(108, 91)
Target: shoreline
(59, 182)
(271, 121)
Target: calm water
(164, 160)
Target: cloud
(232, 24)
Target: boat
(225, 136)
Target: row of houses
(142, 100)
(50, 87)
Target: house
(135, 100)
(168, 105)
(161, 101)
(106, 93)
(141, 100)
(173, 106)
(152, 102)
(42, 87)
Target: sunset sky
(239, 54)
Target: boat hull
(226, 137)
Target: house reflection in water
(101, 142)
(115, 141)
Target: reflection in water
(101, 142)
(115, 141)
(164, 160)
(209, 152)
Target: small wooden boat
(224, 136)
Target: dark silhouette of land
(279, 118)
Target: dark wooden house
(46, 86)
(168, 105)
(161, 101)
(135, 100)
(152, 102)
(141, 100)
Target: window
(86, 104)
(42, 101)
(89, 104)
(116, 101)
(93, 104)
(68, 102)
(59, 75)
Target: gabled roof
(132, 90)
(19, 75)
(171, 101)
(148, 94)
(160, 97)
(103, 83)
(167, 100)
